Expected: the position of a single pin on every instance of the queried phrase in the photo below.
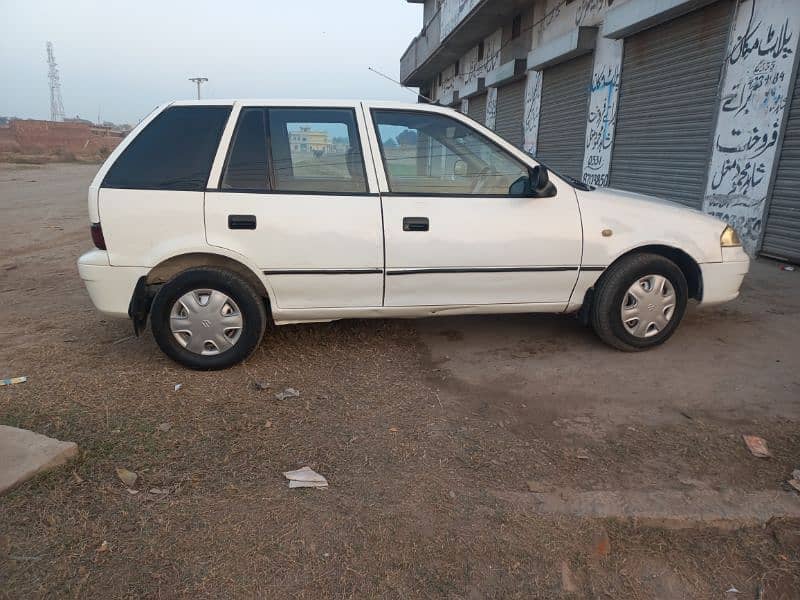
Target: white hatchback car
(215, 217)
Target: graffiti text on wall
(600, 125)
(588, 8)
(754, 97)
(491, 107)
(533, 102)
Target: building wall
(759, 68)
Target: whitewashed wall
(755, 92)
(453, 11)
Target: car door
(294, 196)
(453, 234)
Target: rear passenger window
(174, 152)
(247, 162)
(316, 150)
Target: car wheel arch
(685, 262)
(172, 266)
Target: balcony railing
(420, 49)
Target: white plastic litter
(305, 477)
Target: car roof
(298, 102)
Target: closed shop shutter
(782, 230)
(562, 120)
(510, 108)
(477, 108)
(667, 105)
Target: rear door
(296, 198)
(453, 234)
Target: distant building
(696, 101)
(308, 140)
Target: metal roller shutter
(782, 230)
(562, 121)
(667, 105)
(510, 108)
(477, 108)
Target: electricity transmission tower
(198, 81)
(56, 105)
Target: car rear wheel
(208, 319)
(639, 302)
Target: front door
(453, 234)
(294, 198)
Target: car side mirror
(536, 185)
(460, 168)
(541, 186)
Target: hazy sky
(123, 58)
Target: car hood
(636, 220)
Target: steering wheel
(482, 179)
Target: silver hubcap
(648, 306)
(206, 322)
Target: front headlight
(729, 238)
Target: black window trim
(272, 191)
(434, 194)
(149, 123)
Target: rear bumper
(110, 288)
(721, 281)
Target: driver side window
(433, 154)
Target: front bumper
(109, 287)
(722, 280)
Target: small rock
(452, 494)
(287, 393)
(393, 429)
(757, 446)
(178, 386)
(796, 474)
(103, 547)
(157, 491)
(164, 426)
(132, 492)
(127, 477)
(268, 424)
(795, 483)
(261, 385)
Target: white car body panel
(336, 238)
(532, 254)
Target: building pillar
(754, 99)
(533, 103)
(491, 107)
(600, 124)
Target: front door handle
(241, 221)
(415, 224)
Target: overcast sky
(123, 58)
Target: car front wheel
(639, 302)
(208, 318)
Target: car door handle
(241, 221)
(415, 224)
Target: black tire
(605, 312)
(251, 306)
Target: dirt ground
(470, 457)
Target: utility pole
(198, 81)
(56, 105)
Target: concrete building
(693, 100)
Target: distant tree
(407, 138)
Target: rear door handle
(415, 224)
(241, 221)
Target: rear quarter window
(174, 152)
